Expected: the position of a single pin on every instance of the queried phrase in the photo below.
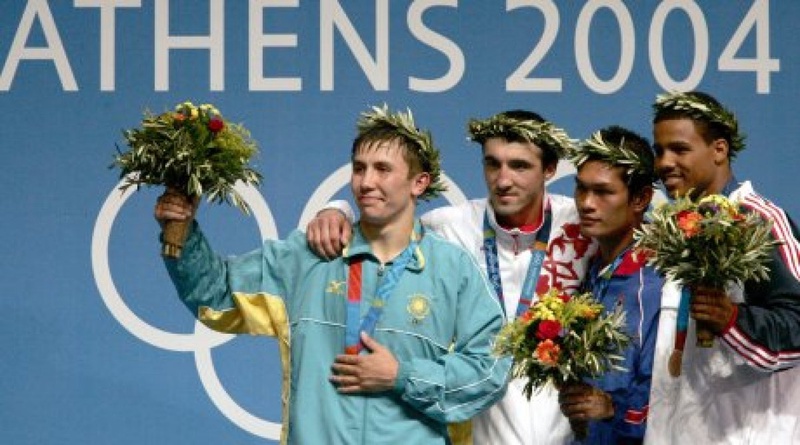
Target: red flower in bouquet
(689, 222)
(548, 329)
(547, 353)
(215, 125)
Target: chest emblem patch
(335, 287)
(419, 307)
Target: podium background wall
(96, 348)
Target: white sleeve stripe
(790, 249)
(488, 376)
(781, 229)
(758, 356)
(746, 351)
(470, 402)
(460, 405)
(639, 296)
(742, 339)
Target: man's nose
(368, 178)
(585, 203)
(504, 177)
(664, 161)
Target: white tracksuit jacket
(515, 420)
(746, 388)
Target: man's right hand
(174, 206)
(580, 401)
(328, 233)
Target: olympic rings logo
(202, 340)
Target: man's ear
(641, 200)
(721, 150)
(420, 183)
(550, 171)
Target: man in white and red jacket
(745, 389)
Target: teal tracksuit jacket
(439, 323)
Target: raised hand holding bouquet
(192, 150)
(564, 339)
(707, 245)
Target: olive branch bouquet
(192, 150)
(563, 339)
(709, 242)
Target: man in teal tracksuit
(386, 344)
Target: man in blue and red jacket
(613, 189)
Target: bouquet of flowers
(708, 242)
(192, 150)
(564, 339)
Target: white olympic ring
(202, 340)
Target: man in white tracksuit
(745, 389)
(526, 240)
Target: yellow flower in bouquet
(563, 338)
(192, 150)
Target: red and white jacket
(514, 419)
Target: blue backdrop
(97, 349)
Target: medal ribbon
(538, 251)
(355, 324)
(599, 279)
(682, 321)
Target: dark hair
(549, 154)
(708, 127)
(636, 179)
